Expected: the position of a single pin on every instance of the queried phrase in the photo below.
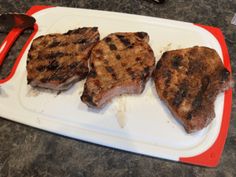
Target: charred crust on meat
(189, 116)
(205, 82)
(181, 94)
(112, 47)
(53, 65)
(114, 76)
(118, 57)
(197, 102)
(73, 65)
(53, 55)
(107, 39)
(43, 80)
(41, 68)
(99, 51)
(87, 98)
(80, 41)
(92, 74)
(176, 61)
(109, 69)
(92, 65)
(97, 83)
(123, 40)
(77, 31)
(145, 73)
(164, 93)
(146, 70)
(159, 64)
(138, 59)
(29, 80)
(39, 37)
(131, 73)
(130, 46)
(195, 66)
(167, 76)
(54, 44)
(164, 55)
(94, 29)
(82, 66)
(141, 35)
(106, 61)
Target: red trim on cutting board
(211, 157)
(31, 11)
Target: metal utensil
(16, 23)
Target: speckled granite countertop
(25, 151)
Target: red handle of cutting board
(8, 42)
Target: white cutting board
(148, 126)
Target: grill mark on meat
(97, 83)
(44, 80)
(123, 40)
(77, 31)
(41, 68)
(189, 116)
(89, 99)
(111, 71)
(159, 64)
(73, 65)
(195, 66)
(167, 76)
(53, 65)
(107, 39)
(181, 94)
(51, 55)
(54, 44)
(106, 62)
(176, 62)
(112, 47)
(145, 73)
(92, 74)
(94, 29)
(141, 35)
(198, 99)
(92, 65)
(131, 73)
(29, 80)
(138, 59)
(118, 57)
(80, 41)
(99, 52)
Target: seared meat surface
(121, 63)
(188, 81)
(56, 61)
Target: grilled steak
(188, 81)
(56, 61)
(121, 63)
